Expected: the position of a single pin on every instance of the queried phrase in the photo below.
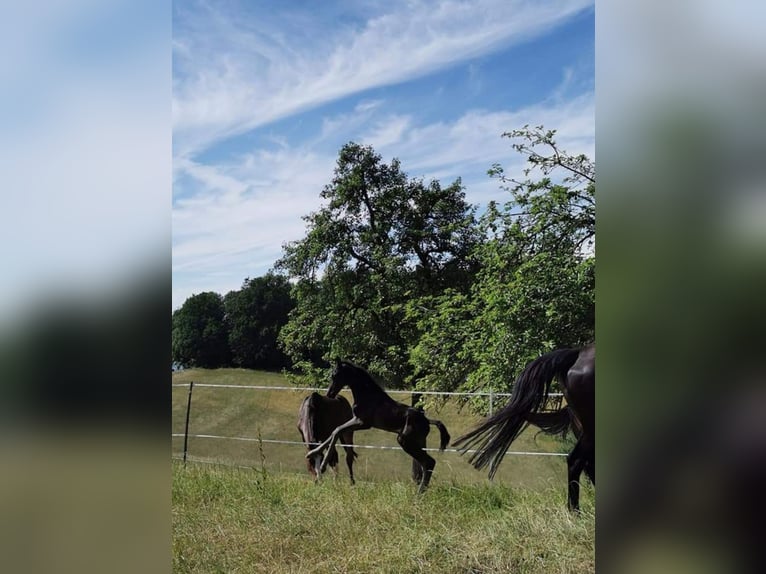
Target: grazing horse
(575, 369)
(373, 408)
(317, 418)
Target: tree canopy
(535, 287)
(237, 330)
(254, 316)
(381, 240)
(405, 277)
(199, 334)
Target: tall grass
(233, 520)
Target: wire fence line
(377, 447)
(190, 385)
(389, 391)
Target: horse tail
(442, 431)
(555, 423)
(304, 420)
(310, 427)
(310, 417)
(530, 392)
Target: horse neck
(364, 389)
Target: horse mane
(364, 372)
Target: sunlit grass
(233, 520)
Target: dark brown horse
(373, 408)
(317, 418)
(575, 370)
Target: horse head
(337, 381)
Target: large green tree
(380, 241)
(199, 335)
(535, 288)
(254, 316)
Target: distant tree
(199, 335)
(380, 241)
(254, 316)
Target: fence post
(186, 430)
(491, 401)
(417, 469)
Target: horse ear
(337, 362)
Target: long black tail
(492, 438)
(442, 431)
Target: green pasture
(246, 520)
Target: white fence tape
(378, 447)
(389, 391)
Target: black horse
(317, 418)
(575, 369)
(373, 408)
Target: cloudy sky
(265, 94)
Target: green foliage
(400, 276)
(380, 241)
(254, 317)
(534, 290)
(199, 335)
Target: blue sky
(265, 94)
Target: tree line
(405, 278)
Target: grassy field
(252, 507)
(234, 520)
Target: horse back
(319, 415)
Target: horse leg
(354, 423)
(314, 463)
(332, 457)
(311, 464)
(411, 441)
(348, 440)
(576, 463)
(328, 453)
(418, 470)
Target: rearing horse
(373, 408)
(575, 370)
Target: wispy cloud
(473, 142)
(240, 74)
(233, 220)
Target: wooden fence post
(186, 430)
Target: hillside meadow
(249, 506)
